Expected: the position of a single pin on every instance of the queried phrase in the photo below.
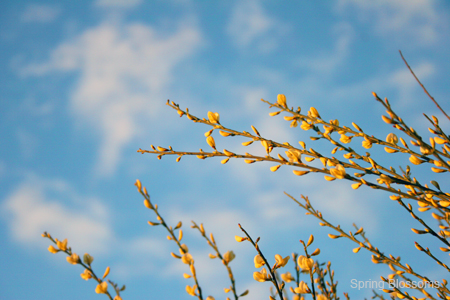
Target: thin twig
(422, 85)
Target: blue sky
(84, 85)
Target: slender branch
(425, 90)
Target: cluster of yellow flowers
(402, 186)
(88, 273)
(361, 169)
(303, 263)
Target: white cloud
(413, 18)
(28, 143)
(250, 25)
(407, 85)
(40, 13)
(35, 206)
(118, 3)
(121, 70)
(329, 61)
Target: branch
(422, 85)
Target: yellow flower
(280, 261)
(101, 288)
(338, 172)
(305, 263)
(287, 277)
(191, 290)
(294, 155)
(211, 142)
(73, 259)
(106, 272)
(186, 258)
(87, 259)
(302, 288)
(345, 139)
(392, 138)
(229, 256)
(439, 140)
(210, 298)
(213, 117)
(184, 249)
(261, 276)
(321, 297)
(313, 112)
(281, 100)
(306, 126)
(259, 262)
(367, 144)
(117, 297)
(239, 238)
(52, 249)
(86, 275)
(415, 160)
(61, 245)
(138, 185)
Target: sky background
(84, 85)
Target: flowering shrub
(357, 168)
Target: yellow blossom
(281, 100)
(229, 256)
(213, 117)
(321, 297)
(345, 139)
(73, 259)
(274, 168)
(191, 290)
(367, 144)
(210, 298)
(86, 275)
(211, 142)
(313, 112)
(338, 171)
(186, 258)
(280, 261)
(439, 140)
(287, 277)
(184, 249)
(305, 263)
(356, 185)
(306, 126)
(117, 297)
(239, 238)
(302, 288)
(300, 173)
(138, 185)
(392, 138)
(415, 160)
(106, 272)
(101, 288)
(61, 245)
(87, 259)
(293, 155)
(259, 261)
(261, 276)
(52, 249)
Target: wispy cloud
(121, 68)
(40, 13)
(418, 18)
(118, 3)
(251, 26)
(328, 61)
(36, 206)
